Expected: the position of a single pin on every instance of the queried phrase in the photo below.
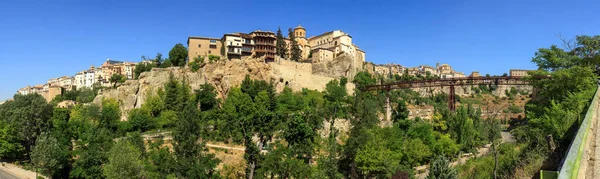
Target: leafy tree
(401, 112)
(205, 97)
(160, 162)
(92, 153)
(178, 55)
(417, 152)
(124, 161)
(140, 120)
(280, 162)
(154, 104)
(158, 60)
(111, 114)
(117, 78)
(49, 155)
(363, 79)
(295, 51)
(376, 160)
(192, 160)
(143, 67)
(281, 46)
(32, 115)
(504, 75)
(440, 169)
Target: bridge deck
(494, 80)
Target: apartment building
(203, 47)
(233, 45)
(264, 44)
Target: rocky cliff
(225, 74)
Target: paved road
(5, 175)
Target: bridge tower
(452, 99)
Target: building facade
(518, 72)
(264, 44)
(203, 47)
(233, 45)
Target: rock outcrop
(226, 74)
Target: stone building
(321, 55)
(203, 47)
(518, 72)
(263, 44)
(474, 74)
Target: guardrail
(571, 164)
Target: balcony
(265, 43)
(234, 52)
(264, 51)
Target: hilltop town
(320, 49)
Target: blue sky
(44, 39)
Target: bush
(514, 109)
(213, 58)
(140, 120)
(196, 63)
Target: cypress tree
(296, 52)
(281, 46)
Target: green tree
(295, 51)
(401, 112)
(110, 114)
(178, 55)
(281, 46)
(92, 153)
(117, 78)
(206, 97)
(141, 120)
(32, 115)
(440, 169)
(417, 152)
(192, 160)
(124, 161)
(49, 155)
(196, 63)
(160, 162)
(171, 94)
(143, 67)
(158, 60)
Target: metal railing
(571, 164)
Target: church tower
(300, 32)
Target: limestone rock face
(133, 93)
(341, 66)
(224, 75)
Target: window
(230, 43)
(212, 46)
(213, 41)
(198, 45)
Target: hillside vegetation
(280, 131)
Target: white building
(90, 79)
(233, 45)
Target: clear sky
(43, 39)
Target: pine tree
(440, 169)
(295, 51)
(281, 46)
(171, 93)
